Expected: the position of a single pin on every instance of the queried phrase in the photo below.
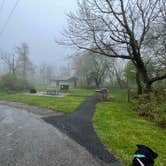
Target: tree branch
(157, 78)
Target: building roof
(71, 79)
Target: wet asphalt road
(26, 140)
(79, 127)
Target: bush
(152, 106)
(134, 94)
(10, 83)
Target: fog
(38, 23)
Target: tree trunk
(97, 84)
(148, 87)
(140, 66)
(142, 73)
(118, 78)
(138, 82)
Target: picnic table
(102, 94)
(52, 92)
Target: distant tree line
(20, 73)
(94, 71)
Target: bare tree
(99, 69)
(156, 42)
(64, 71)
(45, 73)
(91, 68)
(24, 65)
(116, 72)
(10, 61)
(117, 29)
(81, 70)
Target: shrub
(133, 93)
(10, 83)
(152, 106)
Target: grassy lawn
(66, 104)
(81, 92)
(121, 129)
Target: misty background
(29, 31)
(37, 23)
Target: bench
(52, 92)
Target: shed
(72, 82)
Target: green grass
(81, 92)
(119, 95)
(120, 129)
(66, 104)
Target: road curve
(26, 140)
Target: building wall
(54, 84)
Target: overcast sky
(36, 22)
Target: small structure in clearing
(64, 84)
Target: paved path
(26, 140)
(79, 127)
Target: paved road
(26, 140)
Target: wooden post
(128, 95)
